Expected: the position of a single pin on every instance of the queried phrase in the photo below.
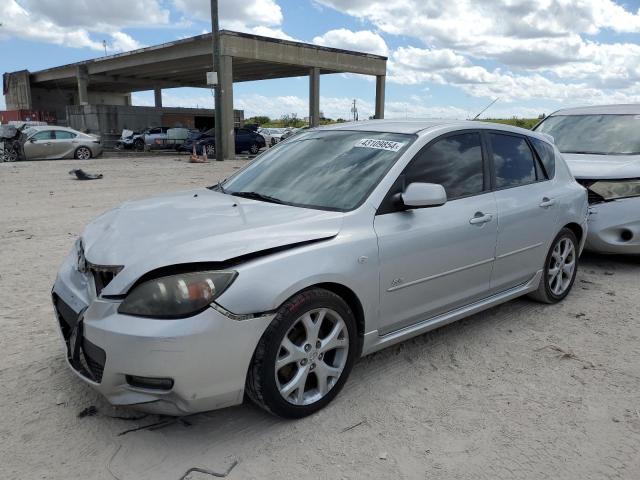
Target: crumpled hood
(601, 167)
(196, 226)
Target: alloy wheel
(83, 153)
(254, 148)
(9, 155)
(561, 266)
(211, 149)
(312, 356)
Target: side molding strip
(438, 275)
(504, 255)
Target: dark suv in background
(246, 141)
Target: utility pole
(354, 111)
(215, 40)
(104, 44)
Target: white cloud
(234, 15)
(361, 41)
(73, 25)
(98, 15)
(279, 105)
(271, 32)
(123, 42)
(542, 49)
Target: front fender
(266, 283)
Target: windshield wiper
(257, 196)
(218, 186)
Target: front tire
(138, 145)
(305, 356)
(560, 269)
(83, 153)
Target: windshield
(28, 131)
(595, 134)
(329, 170)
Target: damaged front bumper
(614, 226)
(203, 359)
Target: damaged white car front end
(613, 184)
(601, 146)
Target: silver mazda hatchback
(332, 245)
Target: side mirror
(420, 195)
(32, 140)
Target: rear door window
(513, 161)
(63, 135)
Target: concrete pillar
(314, 97)
(82, 74)
(225, 77)
(157, 96)
(380, 81)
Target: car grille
(102, 276)
(90, 359)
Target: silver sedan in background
(602, 148)
(332, 245)
(51, 143)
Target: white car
(275, 135)
(601, 145)
(266, 134)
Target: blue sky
(446, 57)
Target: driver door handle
(547, 202)
(480, 218)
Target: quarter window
(513, 161)
(546, 154)
(455, 162)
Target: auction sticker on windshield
(379, 144)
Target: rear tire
(211, 150)
(560, 269)
(82, 153)
(254, 148)
(305, 356)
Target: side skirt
(374, 342)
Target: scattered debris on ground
(88, 412)
(82, 175)
(209, 472)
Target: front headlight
(616, 189)
(176, 296)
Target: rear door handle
(547, 202)
(479, 218)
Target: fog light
(150, 382)
(626, 235)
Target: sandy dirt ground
(520, 391)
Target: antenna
(485, 108)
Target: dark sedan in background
(246, 141)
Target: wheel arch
(349, 296)
(576, 229)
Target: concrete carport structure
(184, 63)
